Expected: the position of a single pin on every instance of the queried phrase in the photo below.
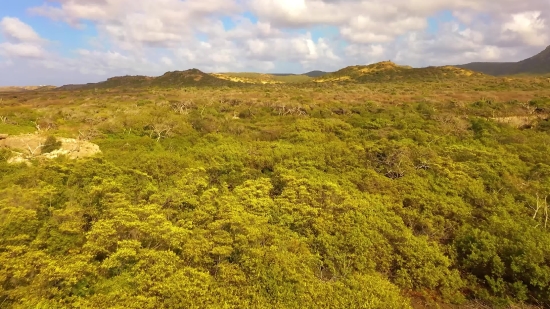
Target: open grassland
(399, 194)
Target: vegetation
(51, 144)
(314, 195)
(188, 78)
(388, 71)
(259, 78)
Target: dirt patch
(29, 146)
(520, 121)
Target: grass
(15, 129)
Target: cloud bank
(150, 37)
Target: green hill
(192, 77)
(538, 64)
(388, 71)
(126, 81)
(261, 78)
(315, 73)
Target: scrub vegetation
(411, 189)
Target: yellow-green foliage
(373, 195)
(259, 78)
(389, 71)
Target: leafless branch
(33, 151)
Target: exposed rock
(29, 146)
(520, 121)
(74, 149)
(18, 158)
(3, 136)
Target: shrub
(51, 144)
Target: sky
(57, 42)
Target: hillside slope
(25, 88)
(192, 77)
(538, 64)
(262, 78)
(389, 71)
(315, 73)
(188, 78)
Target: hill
(192, 77)
(25, 88)
(315, 73)
(261, 78)
(538, 64)
(388, 71)
(195, 77)
(309, 74)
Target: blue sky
(71, 41)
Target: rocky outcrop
(29, 146)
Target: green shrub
(51, 144)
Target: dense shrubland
(348, 196)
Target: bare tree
(182, 107)
(542, 205)
(545, 211)
(32, 151)
(283, 110)
(44, 125)
(37, 126)
(160, 130)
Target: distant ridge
(25, 88)
(385, 71)
(310, 74)
(315, 73)
(538, 64)
(261, 78)
(192, 77)
(389, 71)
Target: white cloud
(23, 50)
(22, 40)
(360, 29)
(14, 30)
(450, 45)
(166, 61)
(140, 23)
(150, 37)
(529, 26)
(490, 25)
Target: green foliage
(294, 196)
(51, 144)
(15, 129)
